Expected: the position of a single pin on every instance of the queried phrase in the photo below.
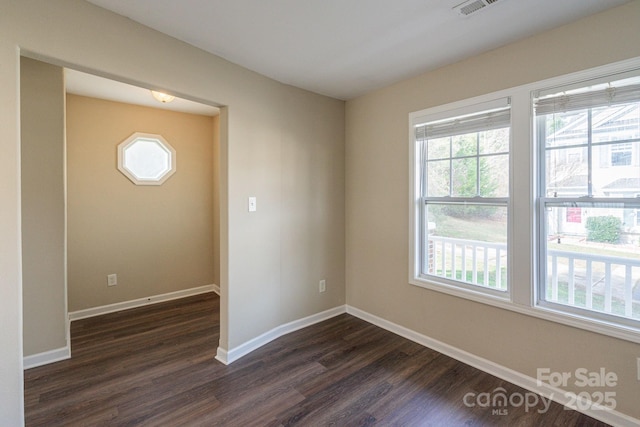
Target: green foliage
(469, 165)
(554, 123)
(465, 174)
(605, 229)
(464, 181)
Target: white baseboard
(230, 356)
(222, 356)
(216, 289)
(558, 395)
(141, 302)
(46, 357)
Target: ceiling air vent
(472, 6)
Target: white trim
(558, 395)
(499, 99)
(46, 357)
(584, 75)
(216, 289)
(222, 356)
(229, 356)
(566, 318)
(164, 145)
(610, 77)
(65, 191)
(140, 302)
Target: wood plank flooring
(155, 366)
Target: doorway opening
(93, 241)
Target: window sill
(603, 327)
(459, 289)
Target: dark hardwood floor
(155, 366)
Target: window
(528, 199)
(621, 154)
(589, 244)
(146, 159)
(462, 194)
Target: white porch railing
(596, 282)
(470, 261)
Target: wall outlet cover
(112, 279)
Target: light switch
(252, 204)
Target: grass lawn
(482, 229)
(594, 248)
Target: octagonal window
(146, 159)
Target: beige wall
(263, 144)
(43, 207)
(312, 204)
(378, 207)
(157, 239)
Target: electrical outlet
(323, 285)
(112, 279)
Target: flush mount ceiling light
(162, 97)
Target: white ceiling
(84, 84)
(345, 48)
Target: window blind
(580, 101)
(487, 120)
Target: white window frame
(130, 167)
(590, 201)
(523, 208)
(455, 287)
